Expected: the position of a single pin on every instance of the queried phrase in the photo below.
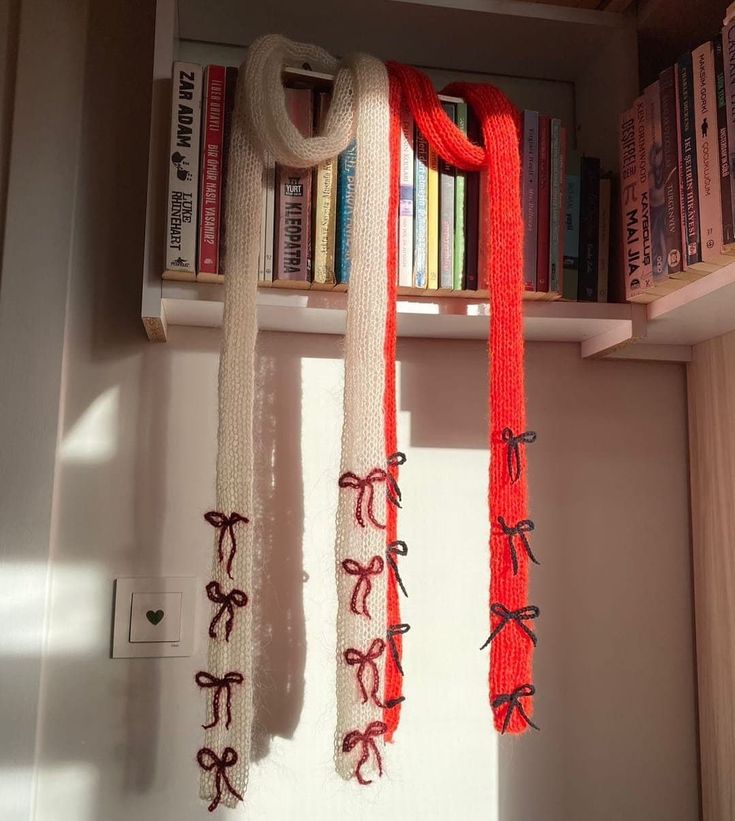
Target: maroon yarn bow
(366, 485)
(226, 524)
(209, 760)
(208, 681)
(367, 739)
(363, 585)
(363, 662)
(229, 601)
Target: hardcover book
(459, 210)
(603, 242)
(269, 220)
(728, 57)
(639, 107)
(529, 195)
(183, 169)
(405, 201)
(543, 239)
(346, 164)
(556, 281)
(723, 144)
(446, 214)
(421, 182)
(670, 163)
(325, 206)
(230, 88)
(210, 197)
(555, 214)
(589, 228)
(657, 204)
(630, 216)
(432, 222)
(688, 181)
(571, 228)
(472, 215)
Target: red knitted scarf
(502, 269)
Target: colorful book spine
(293, 200)
(728, 44)
(346, 164)
(603, 242)
(639, 107)
(183, 169)
(657, 206)
(670, 166)
(421, 198)
(472, 217)
(230, 88)
(529, 195)
(325, 206)
(432, 222)
(705, 119)
(688, 182)
(571, 228)
(446, 214)
(210, 185)
(630, 214)
(723, 144)
(589, 228)
(543, 239)
(405, 202)
(555, 195)
(458, 282)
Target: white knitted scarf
(262, 134)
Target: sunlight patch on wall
(94, 436)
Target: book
(325, 205)
(420, 234)
(230, 89)
(460, 177)
(446, 214)
(688, 183)
(529, 195)
(543, 238)
(589, 228)
(346, 163)
(646, 271)
(292, 243)
(630, 216)
(670, 164)
(472, 213)
(405, 200)
(269, 221)
(728, 43)
(432, 221)
(603, 238)
(723, 144)
(571, 228)
(183, 169)
(656, 204)
(210, 185)
(556, 281)
(555, 199)
(708, 178)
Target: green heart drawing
(154, 616)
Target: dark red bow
(209, 760)
(229, 601)
(363, 585)
(367, 739)
(366, 485)
(364, 661)
(226, 524)
(207, 681)
(513, 700)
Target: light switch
(155, 617)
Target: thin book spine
(603, 243)
(346, 164)
(639, 108)
(670, 165)
(269, 226)
(183, 179)
(210, 197)
(728, 47)
(325, 206)
(529, 194)
(432, 222)
(472, 216)
(589, 221)
(405, 203)
(543, 243)
(630, 214)
(723, 144)
(421, 182)
(460, 178)
(446, 214)
(657, 205)
(555, 214)
(230, 90)
(571, 228)
(688, 182)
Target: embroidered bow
(225, 524)
(229, 601)
(363, 662)
(209, 760)
(366, 485)
(363, 585)
(208, 681)
(513, 700)
(514, 443)
(367, 739)
(393, 631)
(518, 616)
(520, 530)
(396, 549)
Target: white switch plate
(136, 634)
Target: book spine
(554, 203)
(432, 222)
(657, 206)
(230, 88)
(589, 228)
(183, 169)
(630, 215)
(688, 182)
(529, 195)
(571, 228)
(325, 207)
(261, 246)
(293, 200)
(670, 168)
(210, 184)
(269, 225)
(708, 178)
(458, 281)
(420, 243)
(405, 206)
(543, 244)
(556, 284)
(728, 47)
(723, 144)
(446, 214)
(345, 208)
(472, 216)
(603, 242)
(646, 270)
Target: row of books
(677, 154)
(306, 218)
